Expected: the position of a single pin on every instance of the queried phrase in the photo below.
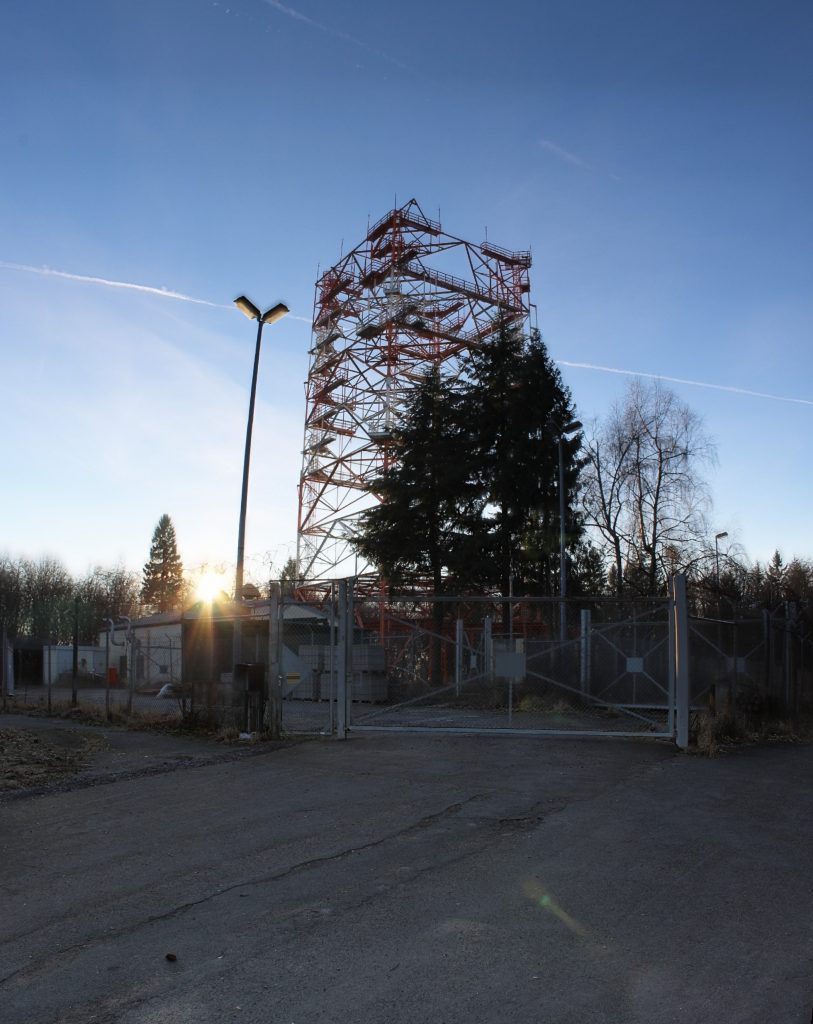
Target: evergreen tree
(427, 497)
(516, 406)
(163, 587)
(473, 492)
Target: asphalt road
(411, 879)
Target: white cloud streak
(336, 33)
(565, 154)
(683, 380)
(164, 293)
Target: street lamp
(563, 433)
(270, 316)
(718, 537)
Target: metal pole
(562, 572)
(131, 673)
(241, 530)
(49, 675)
(4, 665)
(107, 671)
(672, 658)
(510, 611)
(458, 657)
(274, 711)
(332, 685)
(584, 660)
(341, 680)
(717, 571)
(488, 648)
(348, 695)
(681, 661)
(75, 667)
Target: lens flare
(543, 899)
(210, 586)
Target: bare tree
(105, 593)
(644, 490)
(12, 599)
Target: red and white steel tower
(384, 315)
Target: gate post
(274, 683)
(584, 650)
(681, 619)
(345, 658)
(458, 656)
(488, 649)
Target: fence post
(107, 670)
(585, 650)
(681, 617)
(671, 658)
(274, 667)
(342, 661)
(332, 685)
(4, 666)
(735, 648)
(458, 656)
(131, 673)
(768, 651)
(75, 658)
(488, 648)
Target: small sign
(635, 665)
(509, 665)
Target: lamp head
(247, 307)
(270, 316)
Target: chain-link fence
(337, 660)
(142, 680)
(518, 663)
(751, 665)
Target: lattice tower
(383, 316)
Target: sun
(210, 586)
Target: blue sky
(656, 157)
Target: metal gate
(495, 666)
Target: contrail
(565, 154)
(164, 293)
(283, 9)
(683, 380)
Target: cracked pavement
(413, 878)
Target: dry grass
(29, 758)
(712, 734)
(533, 704)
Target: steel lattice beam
(383, 316)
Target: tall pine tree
(516, 405)
(163, 586)
(473, 492)
(421, 528)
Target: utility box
(249, 678)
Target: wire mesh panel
(757, 665)
(147, 685)
(483, 664)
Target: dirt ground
(35, 758)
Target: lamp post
(717, 538)
(563, 433)
(269, 317)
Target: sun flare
(210, 586)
